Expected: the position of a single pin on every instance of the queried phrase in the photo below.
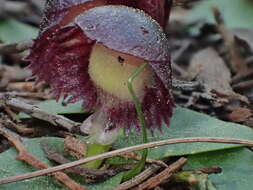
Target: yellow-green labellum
(110, 70)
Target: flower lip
(110, 74)
(129, 31)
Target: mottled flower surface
(64, 11)
(88, 50)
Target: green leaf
(187, 123)
(237, 168)
(236, 13)
(9, 166)
(54, 107)
(13, 31)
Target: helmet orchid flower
(87, 49)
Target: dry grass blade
(124, 151)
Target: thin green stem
(140, 165)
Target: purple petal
(157, 9)
(129, 31)
(63, 12)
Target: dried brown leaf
(209, 69)
(240, 115)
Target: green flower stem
(140, 165)
(95, 149)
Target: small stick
(15, 47)
(186, 85)
(12, 115)
(139, 178)
(54, 155)
(211, 170)
(134, 156)
(20, 129)
(244, 84)
(38, 95)
(56, 120)
(242, 76)
(183, 2)
(124, 151)
(162, 176)
(24, 155)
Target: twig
(26, 87)
(139, 178)
(237, 62)
(11, 114)
(134, 156)
(124, 151)
(243, 85)
(38, 95)
(54, 155)
(183, 2)
(56, 120)
(162, 176)
(242, 76)
(211, 170)
(186, 85)
(24, 155)
(20, 129)
(15, 47)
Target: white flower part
(99, 132)
(86, 125)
